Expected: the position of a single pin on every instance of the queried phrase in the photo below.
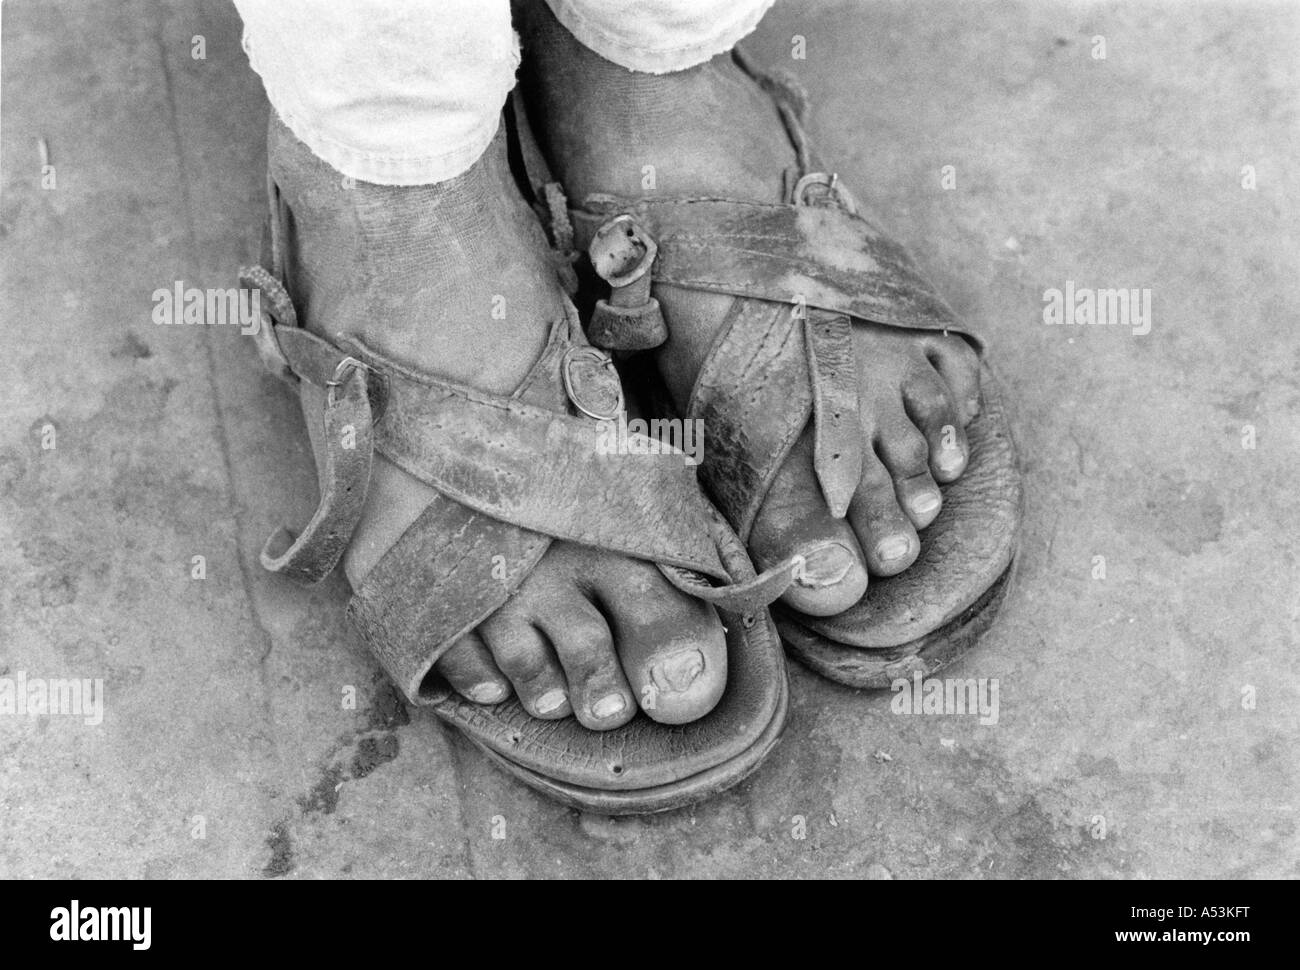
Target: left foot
(710, 130)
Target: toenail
(895, 547)
(825, 566)
(608, 706)
(926, 503)
(679, 671)
(951, 461)
(486, 693)
(550, 701)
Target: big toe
(795, 521)
(672, 647)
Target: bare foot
(710, 130)
(415, 272)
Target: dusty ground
(1155, 706)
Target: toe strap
(838, 439)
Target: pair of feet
(455, 280)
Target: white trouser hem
(604, 39)
(410, 167)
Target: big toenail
(951, 461)
(550, 701)
(486, 693)
(825, 566)
(608, 705)
(679, 671)
(895, 547)
(926, 503)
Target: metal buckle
(833, 188)
(580, 395)
(344, 366)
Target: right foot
(416, 273)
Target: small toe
(524, 656)
(884, 530)
(906, 455)
(958, 364)
(468, 667)
(598, 692)
(930, 404)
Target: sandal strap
(542, 470)
(465, 565)
(452, 569)
(829, 266)
(769, 369)
(807, 256)
(348, 435)
(513, 473)
(752, 394)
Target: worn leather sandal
(802, 274)
(512, 473)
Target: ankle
(453, 279)
(609, 129)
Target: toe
(906, 455)
(671, 646)
(598, 692)
(522, 653)
(885, 532)
(795, 520)
(957, 363)
(468, 667)
(931, 406)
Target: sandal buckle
(592, 383)
(829, 188)
(343, 370)
(623, 253)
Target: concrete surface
(1155, 706)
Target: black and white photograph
(650, 440)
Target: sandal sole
(901, 626)
(590, 770)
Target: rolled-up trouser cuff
(659, 36)
(389, 93)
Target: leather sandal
(803, 273)
(512, 473)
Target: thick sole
(643, 767)
(878, 669)
(924, 618)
